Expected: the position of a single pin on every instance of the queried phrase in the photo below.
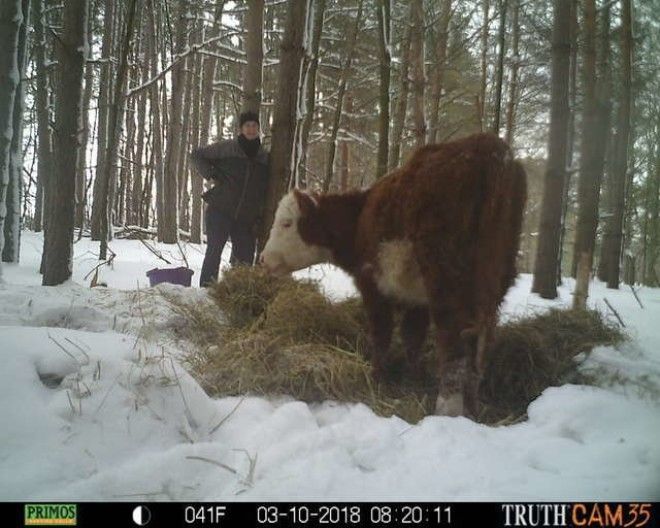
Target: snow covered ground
(95, 405)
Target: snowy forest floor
(95, 404)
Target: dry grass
(536, 352)
(283, 336)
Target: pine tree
(384, 16)
(613, 236)
(591, 163)
(71, 53)
(12, 226)
(292, 53)
(545, 278)
(11, 20)
(43, 114)
(418, 71)
(341, 92)
(253, 79)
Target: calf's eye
(287, 224)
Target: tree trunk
(418, 74)
(572, 110)
(613, 235)
(183, 144)
(207, 95)
(545, 277)
(591, 161)
(484, 65)
(197, 184)
(12, 227)
(11, 20)
(499, 77)
(43, 114)
(345, 153)
(37, 218)
(170, 218)
(115, 119)
(156, 126)
(513, 84)
(629, 259)
(384, 8)
(581, 291)
(81, 170)
(604, 94)
(131, 163)
(220, 104)
(147, 192)
(344, 169)
(401, 106)
(254, 51)
(135, 212)
(283, 130)
(72, 48)
(98, 209)
(341, 91)
(442, 39)
(653, 216)
(207, 81)
(318, 8)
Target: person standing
(234, 205)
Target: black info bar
(344, 514)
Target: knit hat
(247, 116)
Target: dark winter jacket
(240, 182)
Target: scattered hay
(283, 336)
(533, 353)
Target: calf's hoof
(449, 405)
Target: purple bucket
(180, 276)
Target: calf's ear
(306, 203)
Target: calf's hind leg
(477, 344)
(379, 313)
(452, 312)
(452, 363)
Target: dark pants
(219, 227)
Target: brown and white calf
(436, 238)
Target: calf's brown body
(438, 239)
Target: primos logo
(50, 515)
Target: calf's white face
(285, 250)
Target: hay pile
(283, 336)
(533, 353)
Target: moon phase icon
(141, 515)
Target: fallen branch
(614, 312)
(152, 249)
(125, 231)
(636, 297)
(214, 462)
(108, 261)
(183, 254)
